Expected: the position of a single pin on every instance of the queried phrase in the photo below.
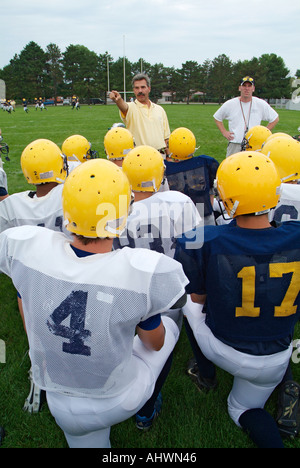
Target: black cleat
(288, 418)
(204, 385)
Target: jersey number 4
(276, 270)
(75, 307)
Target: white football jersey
(3, 179)
(72, 164)
(155, 222)
(288, 207)
(81, 313)
(26, 208)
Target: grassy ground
(189, 419)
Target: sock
(288, 374)
(148, 408)
(261, 428)
(206, 368)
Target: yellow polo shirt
(148, 125)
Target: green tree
(190, 78)
(159, 81)
(103, 74)
(221, 77)
(204, 78)
(174, 80)
(80, 68)
(26, 75)
(55, 72)
(117, 75)
(248, 68)
(32, 62)
(141, 66)
(10, 75)
(275, 81)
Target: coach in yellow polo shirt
(147, 122)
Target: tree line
(35, 72)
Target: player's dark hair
(87, 240)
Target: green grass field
(189, 419)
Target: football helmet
(78, 148)
(118, 124)
(248, 183)
(96, 198)
(256, 136)
(118, 141)
(182, 143)
(144, 167)
(285, 154)
(278, 134)
(42, 161)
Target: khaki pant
(233, 148)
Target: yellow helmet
(96, 199)
(248, 182)
(182, 143)
(77, 148)
(42, 161)
(276, 135)
(118, 141)
(144, 167)
(285, 154)
(256, 137)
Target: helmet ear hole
(118, 141)
(182, 143)
(96, 199)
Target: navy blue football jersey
(194, 177)
(252, 282)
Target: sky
(170, 32)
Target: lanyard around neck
(248, 119)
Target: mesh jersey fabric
(3, 180)
(288, 207)
(157, 221)
(25, 208)
(81, 313)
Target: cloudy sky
(160, 31)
